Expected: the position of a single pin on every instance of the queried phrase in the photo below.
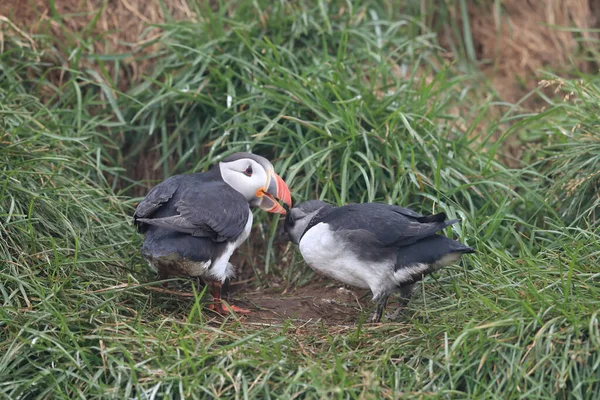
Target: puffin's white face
(257, 182)
(244, 175)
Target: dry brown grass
(521, 38)
(112, 26)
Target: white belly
(323, 253)
(222, 269)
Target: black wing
(156, 198)
(401, 210)
(439, 217)
(202, 209)
(383, 225)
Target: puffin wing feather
(213, 210)
(384, 225)
(155, 199)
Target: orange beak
(276, 190)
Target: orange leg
(218, 305)
(163, 276)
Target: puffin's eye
(248, 171)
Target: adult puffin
(193, 223)
(374, 246)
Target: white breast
(222, 269)
(328, 256)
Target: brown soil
(318, 302)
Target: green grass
(350, 106)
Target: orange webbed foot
(223, 309)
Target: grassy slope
(322, 91)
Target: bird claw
(397, 313)
(375, 318)
(394, 316)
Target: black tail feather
(439, 217)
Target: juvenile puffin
(194, 222)
(384, 248)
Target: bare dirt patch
(319, 302)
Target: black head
(299, 217)
(266, 164)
